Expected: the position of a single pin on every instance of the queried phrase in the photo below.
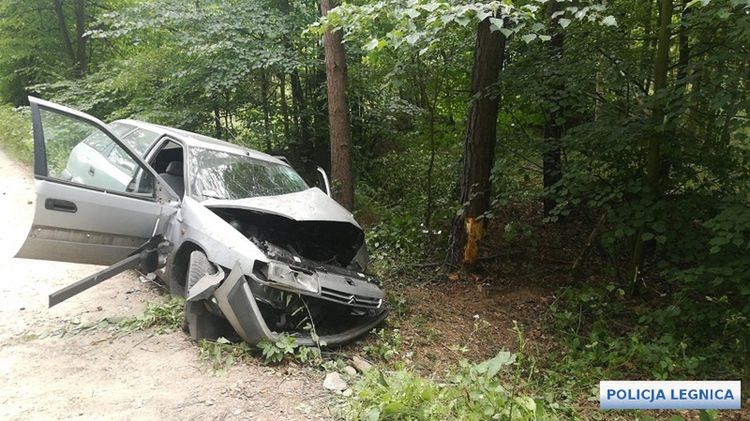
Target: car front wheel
(202, 319)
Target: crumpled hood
(308, 205)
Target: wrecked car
(238, 233)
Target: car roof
(198, 140)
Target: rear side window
(101, 143)
(139, 140)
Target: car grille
(350, 299)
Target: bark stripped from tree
(479, 146)
(338, 114)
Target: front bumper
(239, 306)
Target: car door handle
(60, 205)
(91, 170)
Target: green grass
(161, 316)
(15, 134)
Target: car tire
(198, 267)
(201, 320)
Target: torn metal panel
(204, 288)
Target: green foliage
(285, 347)
(15, 134)
(161, 316)
(424, 23)
(222, 353)
(276, 351)
(386, 346)
(472, 392)
(646, 343)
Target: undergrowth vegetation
(160, 316)
(487, 390)
(15, 136)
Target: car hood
(308, 205)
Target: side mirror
(323, 180)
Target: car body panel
(308, 205)
(224, 245)
(104, 229)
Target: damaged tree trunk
(479, 146)
(338, 114)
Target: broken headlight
(287, 276)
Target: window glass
(223, 175)
(139, 140)
(101, 142)
(80, 152)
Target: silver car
(253, 249)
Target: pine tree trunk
(338, 115)
(479, 146)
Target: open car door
(97, 202)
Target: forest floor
(505, 300)
(53, 368)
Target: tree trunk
(266, 110)
(553, 126)
(284, 106)
(649, 42)
(479, 146)
(82, 56)
(217, 123)
(338, 115)
(298, 102)
(683, 41)
(654, 158)
(64, 30)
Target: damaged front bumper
(354, 305)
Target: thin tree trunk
(64, 30)
(649, 41)
(654, 158)
(553, 127)
(217, 123)
(599, 90)
(298, 102)
(683, 59)
(82, 54)
(338, 114)
(284, 106)
(266, 110)
(430, 169)
(479, 146)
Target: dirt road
(48, 371)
